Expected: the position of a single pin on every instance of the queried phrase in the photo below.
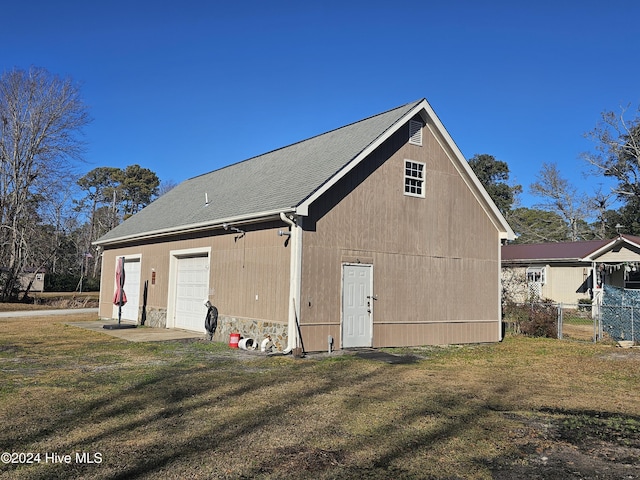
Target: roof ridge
(308, 139)
(286, 178)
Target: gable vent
(415, 132)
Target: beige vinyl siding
(623, 254)
(435, 259)
(566, 284)
(256, 264)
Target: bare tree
(165, 186)
(41, 118)
(514, 285)
(600, 204)
(617, 152)
(561, 197)
(99, 186)
(533, 225)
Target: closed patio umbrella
(120, 298)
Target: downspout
(295, 274)
(101, 298)
(500, 319)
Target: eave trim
(196, 227)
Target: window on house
(536, 275)
(414, 178)
(415, 132)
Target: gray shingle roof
(277, 180)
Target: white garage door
(192, 289)
(131, 289)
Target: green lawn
(517, 409)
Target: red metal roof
(558, 251)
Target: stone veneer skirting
(251, 328)
(246, 327)
(156, 317)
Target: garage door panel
(192, 286)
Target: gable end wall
(435, 259)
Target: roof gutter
(518, 261)
(295, 275)
(196, 227)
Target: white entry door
(192, 289)
(130, 310)
(357, 306)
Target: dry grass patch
(200, 410)
(53, 300)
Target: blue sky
(186, 87)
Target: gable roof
(584, 251)
(568, 251)
(629, 240)
(285, 180)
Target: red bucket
(234, 338)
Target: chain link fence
(580, 321)
(620, 322)
(557, 320)
(612, 315)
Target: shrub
(61, 282)
(513, 315)
(584, 304)
(537, 319)
(91, 285)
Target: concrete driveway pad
(138, 334)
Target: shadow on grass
(325, 419)
(385, 357)
(179, 413)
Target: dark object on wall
(211, 321)
(144, 302)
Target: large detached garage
(374, 234)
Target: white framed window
(415, 132)
(537, 275)
(414, 178)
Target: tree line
(563, 213)
(49, 215)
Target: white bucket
(247, 344)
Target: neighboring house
(30, 278)
(371, 235)
(33, 279)
(568, 272)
